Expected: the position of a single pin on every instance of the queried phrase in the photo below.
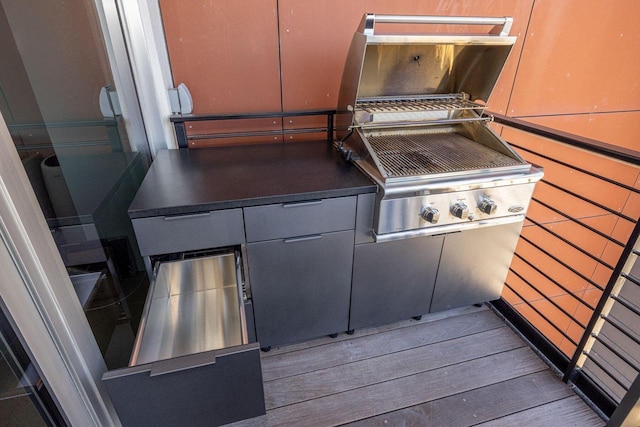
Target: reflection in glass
(61, 106)
(24, 400)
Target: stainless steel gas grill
(452, 194)
(411, 117)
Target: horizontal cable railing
(261, 128)
(110, 126)
(573, 287)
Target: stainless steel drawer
(301, 218)
(192, 363)
(168, 234)
(193, 305)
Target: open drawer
(192, 363)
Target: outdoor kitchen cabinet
(300, 260)
(393, 280)
(288, 210)
(193, 362)
(474, 266)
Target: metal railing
(607, 359)
(183, 137)
(110, 125)
(549, 295)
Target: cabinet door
(393, 280)
(301, 286)
(474, 266)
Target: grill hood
(407, 65)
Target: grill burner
(428, 153)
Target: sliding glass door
(64, 112)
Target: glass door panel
(24, 399)
(61, 106)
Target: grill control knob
(430, 214)
(460, 210)
(487, 206)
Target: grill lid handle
(502, 25)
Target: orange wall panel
(601, 275)
(524, 291)
(561, 274)
(552, 314)
(561, 250)
(226, 52)
(582, 184)
(621, 129)
(583, 314)
(571, 205)
(567, 347)
(509, 296)
(315, 37)
(548, 330)
(616, 170)
(622, 230)
(632, 206)
(579, 57)
(580, 236)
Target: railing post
(114, 135)
(627, 414)
(330, 127)
(181, 134)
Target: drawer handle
(177, 217)
(304, 238)
(183, 363)
(301, 204)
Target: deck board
(571, 410)
(347, 351)
(358, 333)
(457, 368)
(349, 406)
(476, 406)
(379, 369)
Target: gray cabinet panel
(301, 218)
(300, 286)
(204, 389)
(364, 218)
(393, 280)
(474, 266)
(161, 235)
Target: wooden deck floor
(458, 368)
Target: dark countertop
(189, 181)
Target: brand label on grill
(516, 209)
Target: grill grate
(417, 104)
(428, 153)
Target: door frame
(146, 54)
